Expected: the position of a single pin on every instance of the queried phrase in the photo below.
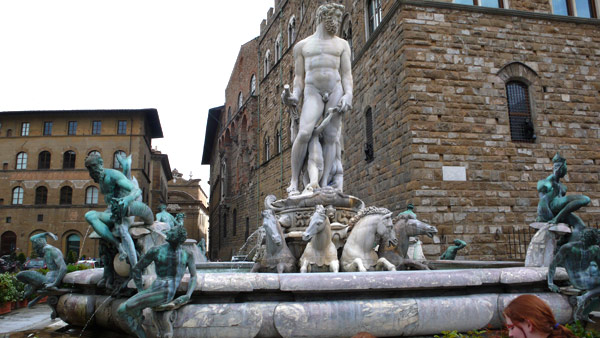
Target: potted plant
(8, 292)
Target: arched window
(291, 31)
(519, 112)
(91, 195)
(8, 243)
(94, 152)
(267, 63)
(267, 148)
(347, 33)
(278, 139)
(240, 100)
(21, 161)
(9, 133)
(116, 163)
(253, 85)
(66, 195)
(234, 222)
(369, 151)
(44, 160)
(224, 225)
(17, 196)
(69, 159)
(278, 48)
(73, 244)
(41, 195)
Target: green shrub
(71, 257)
(580, 331)
(76, 267)
(9, 289)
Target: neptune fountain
(330, 265)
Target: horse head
(415, 227)
(316, 224)
(385, 230)
(271, 227)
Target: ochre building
(458, 109)
(44, 185)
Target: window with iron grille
(47, 128)
(96, 127)
(44, 160)
(25, 129)
(66, 195)
(369, 151)
(40, 217)
(519, 112)
(122, 128)
(41, 195)
(69, 159)
(72, 128)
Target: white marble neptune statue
(323, 79)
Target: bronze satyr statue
(581, 259)
(170, 261)
(123, 197)
(57, 269)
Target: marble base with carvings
(401, 303)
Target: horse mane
(366, 212)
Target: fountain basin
(401, 303)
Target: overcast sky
(174, 55)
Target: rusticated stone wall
(434, 75)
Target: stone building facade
(161, 175)
(458, 109)
(44, 185)
(231, 148)
(187, 196)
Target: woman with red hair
(528, 316)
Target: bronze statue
(123, 196)
(581, 259)
(555, 206)
(164, 216)
(57, 269)
(450, 253)
(170, 261)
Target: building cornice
(468, 8)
